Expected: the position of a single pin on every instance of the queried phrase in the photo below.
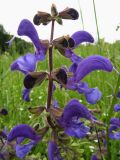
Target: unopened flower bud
(54, 11)
(42, 17)
(69, 13)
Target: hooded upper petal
(23, 130)
(82, 36)
(92, 63)
(26, 28)
(25, 64)
(74, 109)
(53, 151)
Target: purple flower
(53, 151)
(26, 28)
(78, 37)
(69, 120)
(21, 151)
(25, 63)
(81, 70)
(114, 132)
(94, 157)
(117, 107)
(21, 132)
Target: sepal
(33, 79)
(42, 18)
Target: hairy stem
(50, 63)
(110, 114)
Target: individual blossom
(74, 41)
(27, 63)
(26, 28)
(117, 107)
(53, 151)
(20, 133)
(70, 119)
(81, 70)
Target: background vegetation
(11, 85)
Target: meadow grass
(11, 84)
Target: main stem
(50, 65)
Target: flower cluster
(75, 119)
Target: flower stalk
(50, 65)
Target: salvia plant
(62, 126)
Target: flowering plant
(75, 119)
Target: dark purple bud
(71, 42)
(92, 63)
(42, 17)
(34, 79)
(69, 13)
(60, 42)
(54, 11)
(29, 81)
(61, 76)
(3, 111)
(36, 20)
(23, 130)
